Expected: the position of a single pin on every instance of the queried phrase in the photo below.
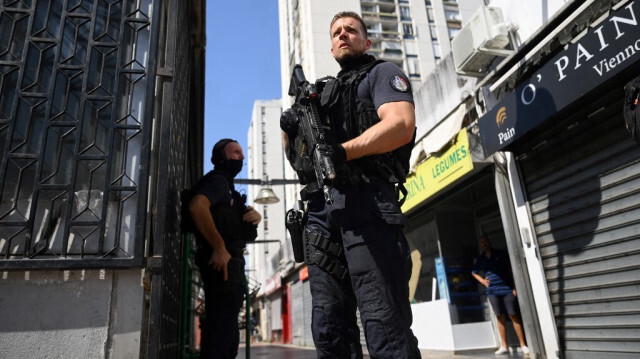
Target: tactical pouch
(295, 224)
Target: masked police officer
(356, 251)
(223, 225)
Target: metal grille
(171, 168)
(74, 132)
(583, 185)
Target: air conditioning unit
(480, 41)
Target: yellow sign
(437, 172)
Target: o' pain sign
(605, 50)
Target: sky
(242, 65)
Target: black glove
(334, 151)
(289, 122)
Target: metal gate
(582, 177)
(297, 313)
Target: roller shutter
(306, 292)
(276, 311)
(582, 177)
(297, 313)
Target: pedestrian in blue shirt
(493, 270)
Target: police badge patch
(399, 84)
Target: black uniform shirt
(216, 186)
(385, 83)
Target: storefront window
(443, 239)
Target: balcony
(382, 17)
(376, 2)
(377, 36)
(392, 55)
(396, 59)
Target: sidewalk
(434, 354)
(286, 351)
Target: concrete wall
(441, 93)
(70, 314)
(527, 16)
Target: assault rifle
(311, 129)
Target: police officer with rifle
(349, 139)
(223, 224)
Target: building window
(436, 51)
(369, 9)
(452, 15)
(430, 15)
(414, 66)
(434, 33)
(407, 30)
(404, 13)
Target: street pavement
(280, 351)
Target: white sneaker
(502, 350)
(525, 351)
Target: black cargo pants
(367, 222)
(220, 335)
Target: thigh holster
(325, 254)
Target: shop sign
(437, 172)
(304, 273)
(273, 283)
(605, 50)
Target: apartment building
(414, 34)
(271, 254)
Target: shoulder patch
(399, 84)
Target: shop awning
(439, 137)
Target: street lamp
(266, 194)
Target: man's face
(347, 39)
(233, 151)
(484, 244)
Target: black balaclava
(233, 167)
(220, 161)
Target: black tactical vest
(234, 231)
(350, 116)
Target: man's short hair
(352, 15)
